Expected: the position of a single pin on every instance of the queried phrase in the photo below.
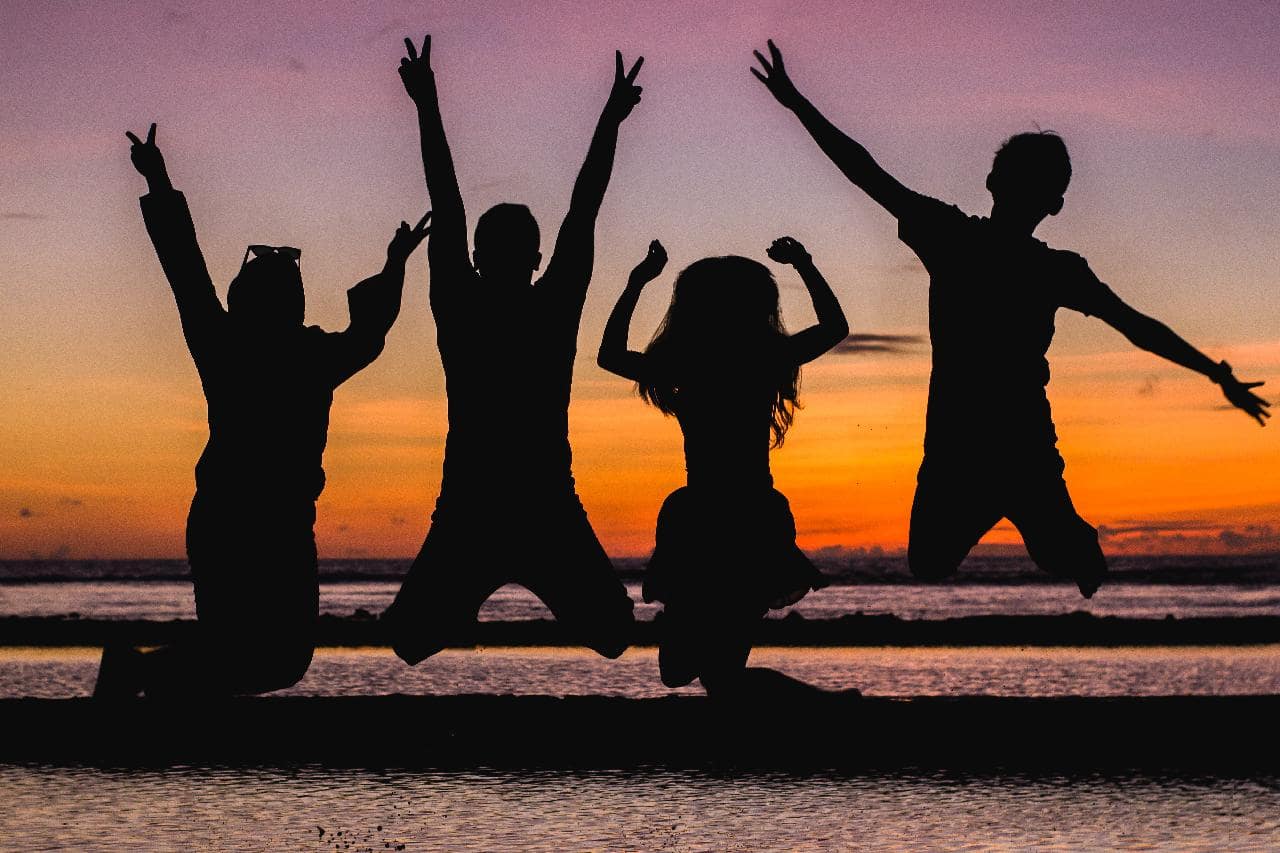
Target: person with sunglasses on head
(268, 380)
(507, 344)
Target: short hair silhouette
(719, 302)
(268, 291)
(1035, 166)
(507, 238)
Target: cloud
(1126, 527)
(891, 344)
(1188, 535)
(1251, 537)
(22, 216)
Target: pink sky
(285, 122)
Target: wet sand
(1219, 735)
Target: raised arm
(614, 355)
(448, 245)
(168, 221)
(849, 156)
(374, 305)
(574, 253)
(832, 327)
(1153, 336)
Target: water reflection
(999, 671)
(314, 808)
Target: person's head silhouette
(724, 315)
(506, 244)
(267, 292)
(725, 297)
(1030, 175)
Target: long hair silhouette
(720, 306)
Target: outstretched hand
(652, 265)
(146, 157)
(1240, 395)
(407, 239)
(788, 250)
(625, 94)
(415, 71)
(775, 77)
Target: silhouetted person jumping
(990, 446)
(723, 364)
(507, 510)
(269, 383)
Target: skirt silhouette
(723, 558)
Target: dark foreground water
(317, 808)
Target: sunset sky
(287, 123)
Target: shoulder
(1069, 268)
(1078, 287)
(924, 221)
(919, 205)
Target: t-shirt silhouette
(268, 397)
(992, 299)
(508, 364)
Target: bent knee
(276, 669)
(675, 673)
(611, 637)
(929, 565)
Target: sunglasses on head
(259, 251)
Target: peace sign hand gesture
(415, 71)
(407, 239)
(148, 160)
(775, 77)
(625, 94)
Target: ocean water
(342, 809)
(165, 600)
(1141, 588)
(998, 671)
(322, 808)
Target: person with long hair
(723, 364)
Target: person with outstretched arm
(990, 448)
(724, 365)
(268, 380)
(508, 511)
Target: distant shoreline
(855, 630)
(841, 569)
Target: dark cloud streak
(874, 343)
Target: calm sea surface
(315, 808)
(999, 671)
(320, 808)
(164, 600)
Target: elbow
(839, 331)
